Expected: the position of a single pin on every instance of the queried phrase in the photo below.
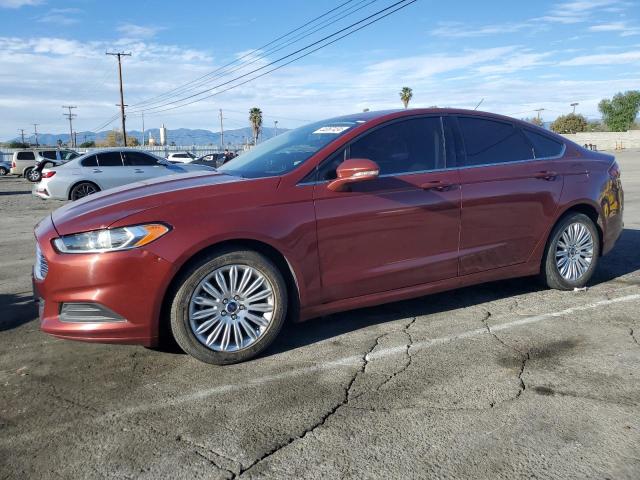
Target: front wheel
(572, 253)
(3, 171)
(228, 307)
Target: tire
(33, 175)
(191, 295)
(3, 172)
(570, 232)
(82, 189)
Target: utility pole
(122, 105)
(35, 132)
(70, 116)
(539, 110)
(221, 132)
(22, 134)
(143, 129)
(275, 123)
(574, 105)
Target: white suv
(24, 161)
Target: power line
(400, 5)
(263, 54)
(122, 105)
(247, 55)
(70, 116)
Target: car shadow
(623, 259)
(16, 192)
(16, 310)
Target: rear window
(26, 156)
(489, 141)
(543, 146)
(110, 159)
(90, 161)
(50, 154)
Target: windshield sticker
(332, 130)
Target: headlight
(110, 240)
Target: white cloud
(578, 10)
(623, 28)
(131, 30)
(603, 59)
(19, 3)
(61, 16)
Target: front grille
(41, 268)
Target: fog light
(88, 313)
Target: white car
(104, 169)
(181, 157)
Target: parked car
(181, 157)
(97, 171)
(50, 159)
(340, 214)
(211, 159)
(24, 161)
(5, 168)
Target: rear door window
(490, 141)
(543, 146)
(91, 161)
(138, 159)
(110, 159)
(26, 156)
(49, 154)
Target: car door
(142, 165)
(508, 195)
(111, 172)
(395, 231)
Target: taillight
(13, 164)
(614, 171)
(48, 174)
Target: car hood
(104, 208)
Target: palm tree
(255, 118)
(406, 94)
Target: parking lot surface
(504, 380)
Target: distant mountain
(180, 136)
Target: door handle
(97, 170)
(137, 170)
(439, 186)
(546, 175)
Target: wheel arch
(276, 256)
(588, 209)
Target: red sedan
(340, 214)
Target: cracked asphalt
(500, 381)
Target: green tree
(16, 144)
(255, 118)
(595, 126)
(621, 111)
(89, 144)
(406, 94)
(571, 123)
(535, 120)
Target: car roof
(396, 113)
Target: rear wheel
(3, 171)
(33, 175)
(572, 252)
(228, 307)
(83, 189)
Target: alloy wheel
(231, 308)
(574, 251)
(83, 190)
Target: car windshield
(281, 154)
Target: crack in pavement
(524, 356)
(633, 336)
(343, 403)
(408, 354)
(230, 473)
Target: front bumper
(130, 283)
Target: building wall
(608, 140)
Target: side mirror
(354, 170)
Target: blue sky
(518, 56)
